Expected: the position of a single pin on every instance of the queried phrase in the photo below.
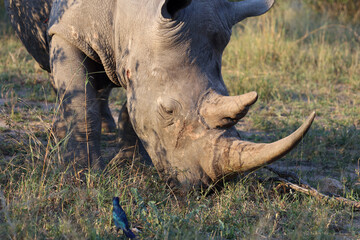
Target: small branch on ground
(303, 187)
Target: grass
(296, 59)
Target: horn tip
(253, 97)
(307, 124)
(312, 116)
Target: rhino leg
(129, 142)
(107, 121)
(108, 124)
(79, 100)
(127, 137)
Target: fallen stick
(304, 188)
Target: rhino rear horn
(248, 8)
(225, 111)
(171, 7)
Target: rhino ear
(171, 7)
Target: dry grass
(296, 59)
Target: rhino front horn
(232, 155)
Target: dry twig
(307, 189)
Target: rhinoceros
(167, 55)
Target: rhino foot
(59, 129)
(81, 155)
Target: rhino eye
(170, 107)
(168, 110)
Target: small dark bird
(120, 219)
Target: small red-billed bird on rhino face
(120, 219)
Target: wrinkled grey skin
(167, 55)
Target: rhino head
(177, 101)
